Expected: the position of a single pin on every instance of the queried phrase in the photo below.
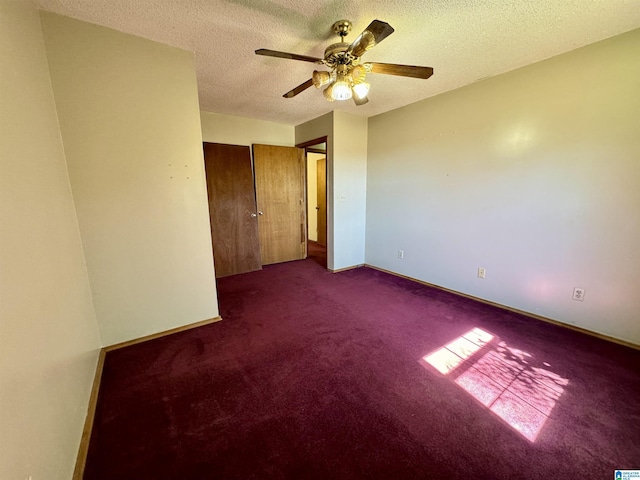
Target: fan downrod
(342, 28)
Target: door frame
(309, 147)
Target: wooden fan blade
(372, 35)
(290, 56)
(380, 30)
(360, 101)
(300, 88)
(401, 70)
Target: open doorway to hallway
(316, 186)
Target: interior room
(506, 185)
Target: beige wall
(349, 188)
(217, 128)
(130, 122)
(49, 337)
(533, 175)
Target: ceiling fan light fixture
(358, 73)
(328, 93)
(361, 90)
(321, 78)
(346, 78)
(341, 88)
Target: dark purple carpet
(314, 375)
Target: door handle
(317, 208)
(253, 215)
(260, 213)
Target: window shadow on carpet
(511, 383)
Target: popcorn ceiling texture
(463, 40)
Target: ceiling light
(321, 78)
(360, 90)
(358, 73)
(346, 75)
(328, 93)
(341, 88)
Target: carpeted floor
(314, 375)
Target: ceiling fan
(347, 75)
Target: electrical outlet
(481, 272)
(578, 294)
(400, 253)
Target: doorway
(316, 183)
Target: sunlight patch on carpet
(453, 354)
(508, 381)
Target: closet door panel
(232, 209)
(280, 194)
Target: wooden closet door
(280, 193)
(232, 209)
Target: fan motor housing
(335, 54)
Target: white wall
(130, 121)
(533, 175)
(49, 337)
(217, 128)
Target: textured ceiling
(463, 40)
